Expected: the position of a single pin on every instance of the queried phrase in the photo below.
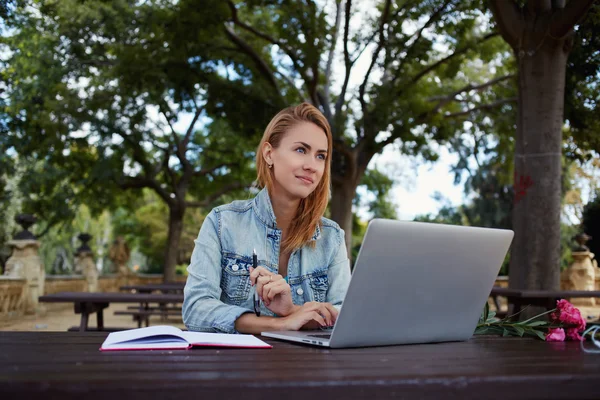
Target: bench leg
(83, 324)
(100, 319)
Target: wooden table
(68, 365)
(519, 298)
(175, 287)
(89, 303)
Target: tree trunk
(341, 207)
(535, 255)
(175, 229)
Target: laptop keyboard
(323, 336)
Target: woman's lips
(305, 180)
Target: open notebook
(164, 337)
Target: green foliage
(378, 185)
(582, 92)
(145, 228)
(590, 223)
(93, 95)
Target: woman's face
(299, 161)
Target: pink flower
(573, 334)
(555, 335)
(567, 314)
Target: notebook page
(142, 333)
(181, 344)
(224, 340)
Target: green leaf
(481, 330)
(537, 323)
(505, 332)
(539, 334)
(491, 315)
(520, 331)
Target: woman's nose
(310, 166)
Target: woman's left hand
(273, 290)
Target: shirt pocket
(319, 284)
(235, 278)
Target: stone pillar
(581, 275)
(25, 263)
(119, 255)
(84, 263)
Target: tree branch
(136, 182)
(169, 172)
(326, 93)
(537, 7)
(266, 37)
(443, 100)
(362, 88)
(173, 133)
(509, 20)
(214, 196)
(564, 20)
(435, 65)
(206, 171)
(347, 62)
(481, 107)
(436, 14)
(260, 63)
(188, 134)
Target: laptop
(414, 282)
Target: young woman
(303, 269)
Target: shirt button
(300, 291)
(235, 267)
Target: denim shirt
(218, 288)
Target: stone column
(84, 263)
(581, 275)
(119, 254)
(25, 263)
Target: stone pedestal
(84, 264)
(119, 254)
(581, 275)
(25, 263)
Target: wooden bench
(144, 315)
(88, 303)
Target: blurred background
(129, 120)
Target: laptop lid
(416, 282)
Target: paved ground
(64, 318)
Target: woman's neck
(285, 211)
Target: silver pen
(256, 298)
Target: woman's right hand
(310, 315)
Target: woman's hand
(311, 315)
(273, 290)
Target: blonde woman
(302, 270)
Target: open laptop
(414, 282)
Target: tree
(541, 35)
(591, 224)
(94, 91)
(412, 92)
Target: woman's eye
(301, 150)
(321, 157)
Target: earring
(270, 165)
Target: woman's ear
(267, 151)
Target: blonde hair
(311, 208)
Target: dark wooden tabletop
(543, 294)
(110, 297)
(68, 365)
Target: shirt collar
(264, 209)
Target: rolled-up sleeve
(202, 308)
(338, 274)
